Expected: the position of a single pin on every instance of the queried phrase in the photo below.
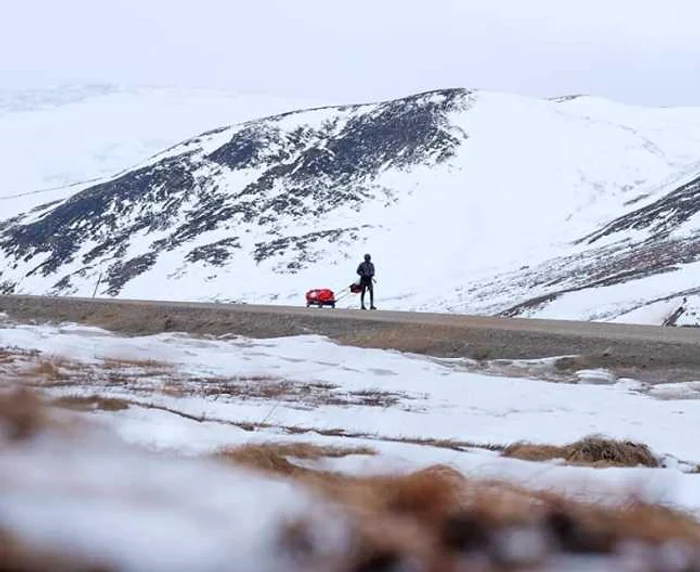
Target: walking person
(366, 272)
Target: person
(366, 272)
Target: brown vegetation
(273, 457)
(436, 517)
(445, 521)
(16, 556)
(592, 451)
(260, 457)
(49, 370)
(311, 451)
(21, 414)
(147, 364)
(90, 402)
(453, 444)
(313, 394)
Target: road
(652, 352)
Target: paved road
(652, 350)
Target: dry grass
(89, 403)
(261, 458)
(9, 354)
(315, 394)
(597, 450)
(437, 515)
(311, 451)
(441, 519)
(377, 398)
(18, 556)
(172, 389)
(21, 414)
(52, 370)
(147, 365)
(273, 457)
(591, 451)
(437, 518)
(252, 388)
(57, 371)
(531, 452)
(453, 444)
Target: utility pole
(99, 277)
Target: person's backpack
(367, 269)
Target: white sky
(637, 51)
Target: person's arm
(359, 269)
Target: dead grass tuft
(21, 414)
(426, 495)
(579, 527)
(89, 403)
(260, 457)
(49, 370)
(311, 451)
(597, 450)
(593, 451)
(273, 457)
(55, 371)
(531, 452)
(17, 556)
(440, 517)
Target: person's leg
(362, 295)
(371, 296)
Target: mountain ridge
(293, 196)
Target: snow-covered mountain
(468, 201)
(55, 137)
(641, 267)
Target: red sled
(320, 297)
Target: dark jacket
(366, 270)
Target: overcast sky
(637, 51)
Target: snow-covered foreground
(186, 397)
(101, 501)
(204, 394)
